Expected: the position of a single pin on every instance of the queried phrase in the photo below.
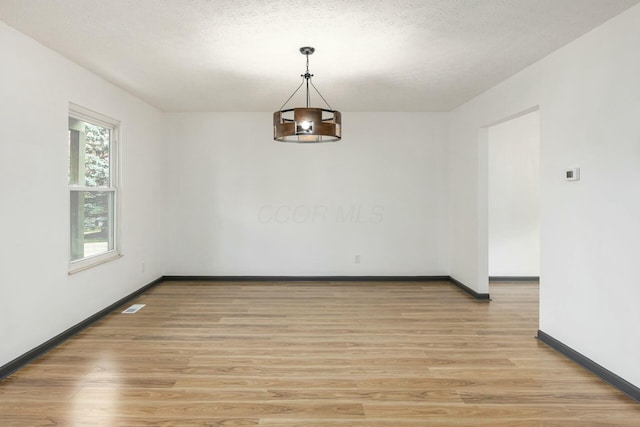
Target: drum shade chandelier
(308, 124)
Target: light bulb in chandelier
(306, 126)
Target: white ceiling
(242, 55)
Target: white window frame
(92, 117)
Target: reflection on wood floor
(322, 354)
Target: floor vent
(134, 308)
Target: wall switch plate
(572, 174)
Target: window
(93, 188)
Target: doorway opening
(513, 199)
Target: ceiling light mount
(308, 124)
(307, 50)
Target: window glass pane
(89, 154)
(92, 231)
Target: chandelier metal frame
(307, 124)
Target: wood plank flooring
(323, 354)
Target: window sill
(85, 264)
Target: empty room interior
(338, 213)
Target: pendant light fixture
(308, 124)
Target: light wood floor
(314, 354)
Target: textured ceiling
(242, 55)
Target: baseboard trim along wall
(473, 293)
(606, 375)
(462, 286)
(43, 348)
(514, 279)
(310, 278)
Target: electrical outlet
(356, 259)
(572, 174)
(143, 267)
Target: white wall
(589, 100)
(514, 197)
(241, 204)
(39, 299)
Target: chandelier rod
(307, 76)
(294, 92)
(325, 101)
